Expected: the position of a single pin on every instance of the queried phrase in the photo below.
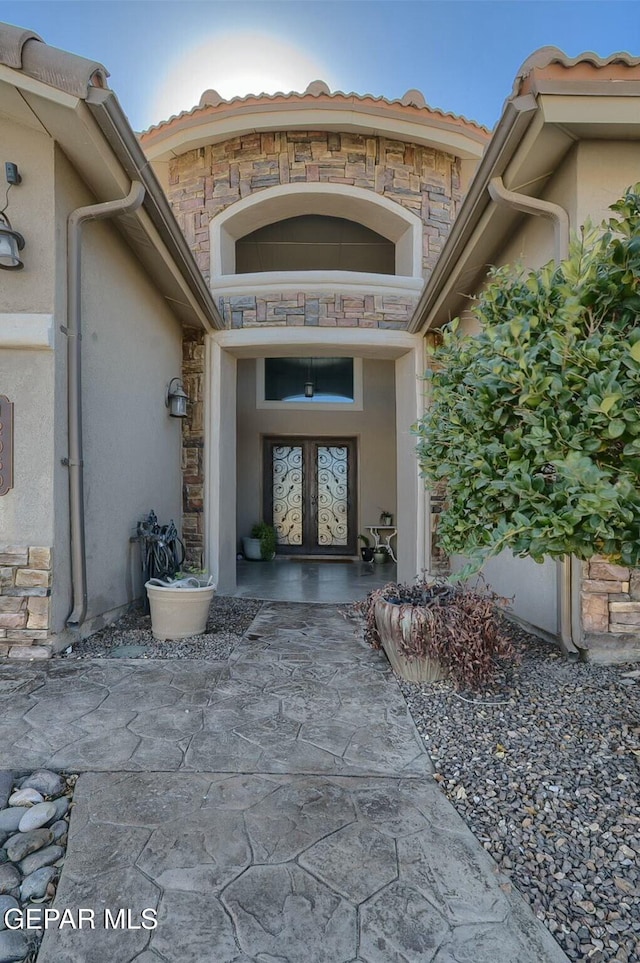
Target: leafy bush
(535, 423)
(268, 539)
(461, 627)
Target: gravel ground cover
(544, 768)
(130, 636)
(34, 820)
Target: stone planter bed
(130, 637)
(34, 821)
(544, 768)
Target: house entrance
(310, 494)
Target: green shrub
(534, 424)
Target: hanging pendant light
(11, 242)
(308, 385)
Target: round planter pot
(380, 557)
(177, 613)
(394, 623)
(366, 554)
(252, 550)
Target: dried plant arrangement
(460, 627)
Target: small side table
(387, 532)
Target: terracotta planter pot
(394, 622)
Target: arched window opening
(315, 242)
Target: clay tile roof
(318, 94)
(25, 51)
(554, 62)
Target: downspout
(73, 331)
(569, 568)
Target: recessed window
(314, 242)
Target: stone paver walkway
(274, 809)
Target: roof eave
(211, 125)
(106, 110)
(516, 119)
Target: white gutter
(74, 461)
(568, 569)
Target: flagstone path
(277, 808)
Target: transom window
(315, 242)
(310, 384)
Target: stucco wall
(131, 348)
(604, 169)
(27, 379)
(374, 427)
(26, 376)
(31, 212)
(533, 587)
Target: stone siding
(193, 355)
(610, 599)
(206, 181)
(329, 311)
(25, 593)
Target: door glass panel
(332, 494)
(287, 493)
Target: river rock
(7, 903)
(6, 783)
(37, 816)
(14, 946)
(9, 879)
(21, 845)
(62, 806)
(46, 782)
(59, 830)
(43, 857)
(25, 797)
(10, 818)
(35, 885)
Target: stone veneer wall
(610, 599)
(331, 311)
(25, 590)
(193, 363)
(205, 181)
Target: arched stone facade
(206, 181)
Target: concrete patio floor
(295, 580)
(278, 808)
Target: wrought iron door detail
(309, 494)
(332, 494)
(288, 478)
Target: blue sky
(463, 54)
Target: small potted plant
(261, 544)
(432, 630)
(380, 554)
(366, 552)
(386, 518)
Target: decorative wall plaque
(6, 444)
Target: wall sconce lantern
(176, 399)
(10, 244)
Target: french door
(310, 494)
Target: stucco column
(221, 487)
(411, 505)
